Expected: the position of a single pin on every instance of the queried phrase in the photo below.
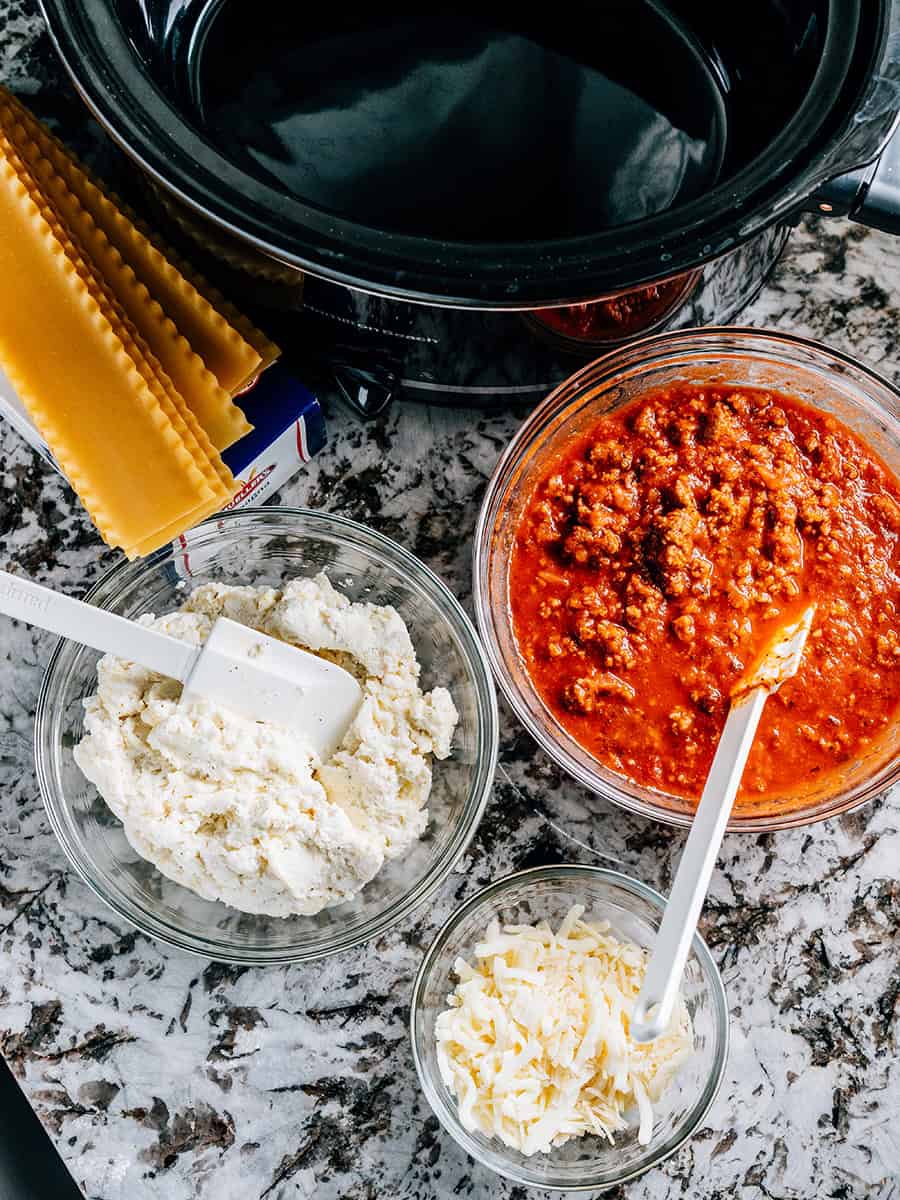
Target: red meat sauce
(660, 551)
(617, 318)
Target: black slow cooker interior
(487, 154)
(493, 121)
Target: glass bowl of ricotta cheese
(223, 838)
(519, 1027)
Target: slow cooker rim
(391, 267)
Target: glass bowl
(821, 377)
(266, 546)
(634, 912)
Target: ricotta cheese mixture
(535, 1043)
(243, 811)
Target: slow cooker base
(378, 347)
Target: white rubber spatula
(237, 668)
(659, 991)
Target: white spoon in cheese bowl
(237, 668)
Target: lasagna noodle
(215, 409)
(234, 355)
(267, 350)
(81, 387)
(170, 399)
(167, 533)
(218, 477)
(132, 307)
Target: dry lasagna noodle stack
(126, 363)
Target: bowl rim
(634, 887)
(488, 734)
(687, 342)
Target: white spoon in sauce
(778, 662)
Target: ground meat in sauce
(629, 313)
(659, 551)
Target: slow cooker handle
(870, 195)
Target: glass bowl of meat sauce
(653, 522)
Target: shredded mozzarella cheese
(535, 1043)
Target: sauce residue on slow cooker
(619, 317)
(660, 550)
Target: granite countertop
(158, 1074)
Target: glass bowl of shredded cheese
(519, 1024)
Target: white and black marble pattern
(160, 1075)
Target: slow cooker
(459, 201)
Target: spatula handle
(659, 991)
(104, 631)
